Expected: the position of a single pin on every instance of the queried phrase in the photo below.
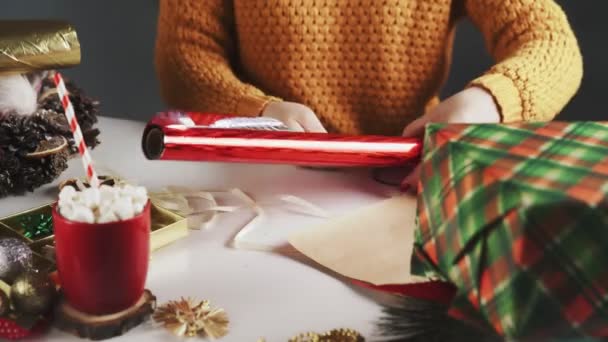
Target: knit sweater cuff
(253, 105)
(505, 94)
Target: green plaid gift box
(516, 216)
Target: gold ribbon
(201, 207)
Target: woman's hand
(472, 105)
(295, 116)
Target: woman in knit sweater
(363, 66)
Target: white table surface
(265, 294)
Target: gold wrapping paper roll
(32, 45)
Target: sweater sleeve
(195, 58)
(539, 66)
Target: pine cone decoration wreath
(34, 149)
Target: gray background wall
(117, 38)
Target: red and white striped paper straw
(87, 162)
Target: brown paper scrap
(374, 244)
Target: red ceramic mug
(102, 266)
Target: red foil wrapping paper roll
(222, 138)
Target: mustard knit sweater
(363, 66)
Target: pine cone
(20, 135)
(85, 107)
(36, 172)
(9, 166)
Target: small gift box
(516, 217)
(34, 226)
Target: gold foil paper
(166, 227)
(32, 45)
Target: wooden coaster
(98, 328)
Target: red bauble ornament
(10, 330)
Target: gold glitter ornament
(185, 317)
(335, 335)
(32, 293)
(342, 335)
(5, 304)
(306, 337)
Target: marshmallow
(81, 213)
(141, 193)
(106, 217)
(66, 210)
(90, 197)
(107, 194)
(127, 190)
(103, 204)
(138, 207)
(123, 208)
(67, 194)
(105, 207)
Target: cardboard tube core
(154, 143)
